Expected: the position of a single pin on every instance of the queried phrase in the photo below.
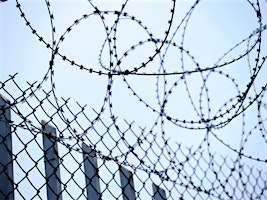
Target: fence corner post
(51, 159)
(158, 193)
(91, 173)
(6, 161)
(127, 184)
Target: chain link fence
(52, 147)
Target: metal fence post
(158, 193)
(127, 184)
(51, 160)
(91, 173)
(6, 161)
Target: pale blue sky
(214, 28)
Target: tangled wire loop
(185, 98)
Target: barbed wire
(195, 171)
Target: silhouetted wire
(146, 142)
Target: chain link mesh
(153, 163)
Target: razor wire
(185, 172)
